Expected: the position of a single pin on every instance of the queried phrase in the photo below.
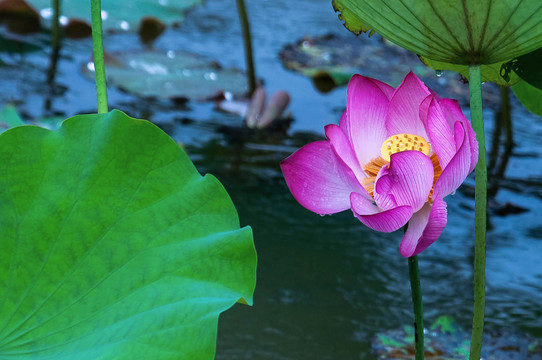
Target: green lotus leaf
(113, 245)
(528, 67)
(121, 15)
(491, 72)
(170, 75)
(452, 31)
(530, 96)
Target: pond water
(326, 285)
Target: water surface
(326, 285)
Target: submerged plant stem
(98, 49)
(507, 124)
(479, 213)
(55, 42)
(494, 151)
(415, 287)
(247, 42)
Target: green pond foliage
(113, 245)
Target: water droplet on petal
(439, 73)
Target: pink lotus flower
(392, 159)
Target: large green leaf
(530, 96)
(528, 67)
(452, 31)
(113, 245)
(490, 72)
(122, 14)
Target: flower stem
(247, 42)
(99, 64)
(479, 213)
(415, 287)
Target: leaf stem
(247, 42)
(55, 26)
(475, 89)
(99, 63)
(415, 287)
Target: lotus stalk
(247, 42)
(98, 49)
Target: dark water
(326, 285)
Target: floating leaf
(19, 16)
(150, 29)
(113, 245)
(9, 117)
(324, 58)
(457, 32)
(530, 96)
(170, 75)
(121, 15)
(331, 60)
(13, 45)
(77, 29)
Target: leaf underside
(491, 72)
(457, 32)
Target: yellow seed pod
(403, 142)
